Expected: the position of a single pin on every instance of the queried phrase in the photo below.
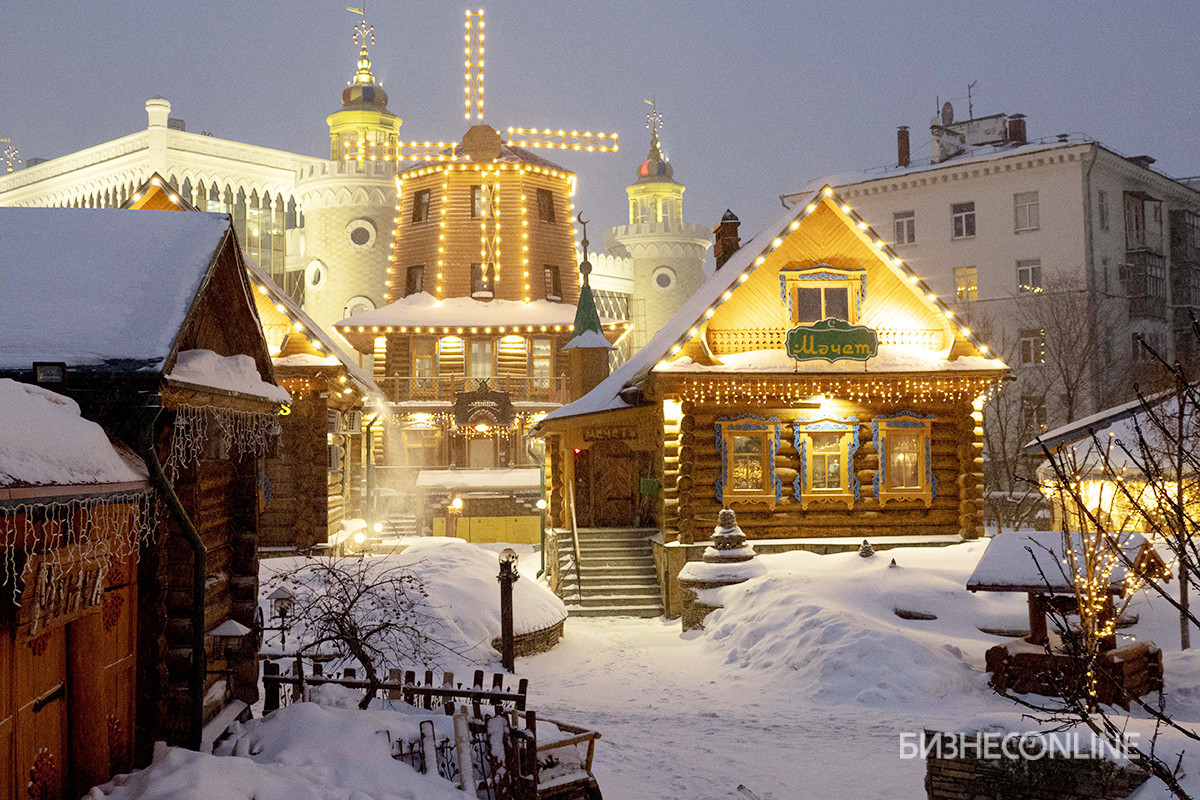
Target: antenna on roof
(970, 105)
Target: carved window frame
(823, 276)
(850, 490)
(904, 421)
(770, 430)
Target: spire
(656, 167)
(587, 318)
(363, 32)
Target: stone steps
(616, 576)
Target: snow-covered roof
(272, 293)
(236, 373)
(508, 155)
(89, 286)
(45, 442)
(586, 339)
(1036, 561)
(423, 309)
(719, 286)
(479, 479)
(891, 358)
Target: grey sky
(759, 96)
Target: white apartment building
(990, 218)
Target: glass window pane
(837, 303)
(806, 304)
(746, 473)
(903, 458)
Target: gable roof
(663, 352)
(101, 288)
(157, 194)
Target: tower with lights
(349, 202)
(667, 253)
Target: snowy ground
(801, 687)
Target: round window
(360, 234)
(664, 277)
(315, 275)
(357, 305)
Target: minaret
(349, 202)
(587, 352)
(667, 253)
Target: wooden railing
(401, 389)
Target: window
(414, 280)
(1102, 208)
(966, 283)
(553, 284)
(903, 442)
(545, 205)
(1156, 277)
(540, 363)
(1033, 414)
(821, 292)
(962, 220)
(483, 280)
(663, 277)
(748, 445)
(905, 224)
(813, 303)
(1029, 276)
(476, 202)
(1025, 211)
(481, 361)
(423, 369)
(826, 450)
(420, 206)
(1033, 346)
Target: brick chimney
(1016, 129)
(903, 157)
(725, 238)
(1142, 161)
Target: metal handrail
(575, 539)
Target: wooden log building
(147, 322)
(814, 384)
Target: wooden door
(606, 477)
(40, 744)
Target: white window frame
(1026, 215)
(962, 289)
(1029, 276)
(904, 225)
(962, 218)
(1032, 347)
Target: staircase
(616, 575)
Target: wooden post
(270, 687)
(429, 747)
(508, 574)
(1037, 619)
(462, 748)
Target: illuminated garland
(105, 529)
(800, 389)
(248, 432)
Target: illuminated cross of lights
(474, 64)
(9, 155)
(362, 31)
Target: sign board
(832, 340)
(58, 590)
(483, 402)
(601, 433)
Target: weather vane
(654, 119)
(10, 155)
(362, 31)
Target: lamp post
(508, 576)
(282, 604)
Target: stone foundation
(1134, 670)
(528, 644)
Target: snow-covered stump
(729, 561)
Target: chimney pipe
(725, 238)
(1016, 129)
(1142, 161)
(903, 158)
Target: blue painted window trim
(843, 424)
(903, 419)
(748, 422)
(822, 272)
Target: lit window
(966, 283)
(1033, 346)
(962, 220)
(905, 224)
(423, 368)
(541, 363)
(545, 205)
(1025, 211)
(1029, 276)
(826, 450)
(476, 202)
(748, 446)
(483, 280)
(481, 361)
(420, 211)
(903, 442)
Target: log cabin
(814, 383)
(147, 322)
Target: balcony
(1144, 275)
(551, 391)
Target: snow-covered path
(678, 724)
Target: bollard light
(541, 504)
(456, 504)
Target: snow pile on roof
(1031, 561)
(463, 599)
(589, 339)
(424, 309)
(479, 478)
(45, 442)
(826, 624)
(87, 286)
(301, 752)
(236, 373)
(304, 360)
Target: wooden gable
(156, 194)
(753, 313)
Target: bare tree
(363, 609)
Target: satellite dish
(947, 113)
